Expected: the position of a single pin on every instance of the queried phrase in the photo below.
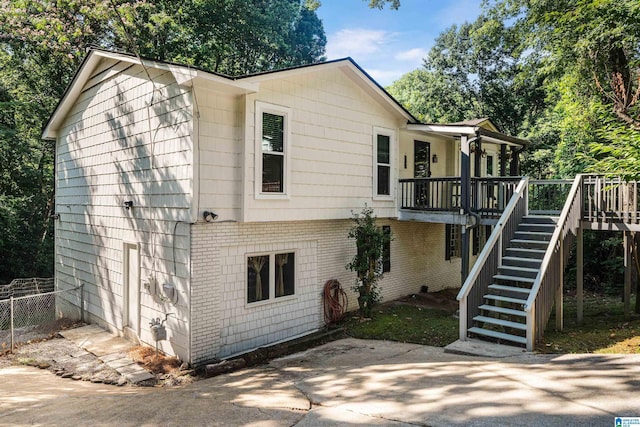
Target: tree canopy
(564, 74)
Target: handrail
(555, 237)
(493, 239)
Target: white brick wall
(222, 322)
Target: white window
(272, 150)
(270, 276)
(383, 157)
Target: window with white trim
(383, 146)
(270, 276)
(272, 149)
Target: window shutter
(447, 242)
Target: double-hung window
(272, 150)
(383, 149)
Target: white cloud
(411, 55)
(359, 42)
(385, 77)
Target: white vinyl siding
(330, 148)
(126, 139)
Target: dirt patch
(444, 300)
(169, 371)
(33, 333)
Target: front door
(422, 169)
(421, 162)
(131, 307)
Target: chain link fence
(30, 317)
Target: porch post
(627, 273)
(465, 198)
(503, 160)
(514, 166)
(559, 288)
(477, 158)
(579, 274)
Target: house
(223, 204)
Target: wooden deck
(608, 203)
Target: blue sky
(389, 43)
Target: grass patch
(604, 329)
(405, 323)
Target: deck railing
(486, 266)
(610, 199)
(549, 280)
(547, 196)
(489, 195)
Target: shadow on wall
(146, 161)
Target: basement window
(270, 276)
(452, 241)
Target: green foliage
(370, 240)
(475, 70)
(233, 37)
(380, 4)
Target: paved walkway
(110, 349)
(349, 382)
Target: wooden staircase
(502, 315)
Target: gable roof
(185, 74)
(484, 122)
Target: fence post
(11, 319)
(82, 302)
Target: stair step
(539, 219)
(506, 288)
(534, 235)
(509, 270)
(547, 228)
(500, 322)
(505, 299)
(538, 243)
(527, 252)
(514, 261)
(502, 310)
(514, 278)
(498, 335)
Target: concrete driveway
(349, 382)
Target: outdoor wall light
(128, 204)
(434, 158)
(209, 216)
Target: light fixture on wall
(434, 158)
(209, 216)
(128, 204)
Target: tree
(475, 70)
(589, 56)
(233, 37)
(370, 241)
